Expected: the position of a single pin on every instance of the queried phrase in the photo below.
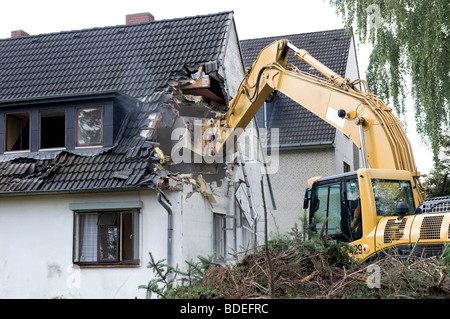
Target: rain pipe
(166, 204)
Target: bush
(302, 268)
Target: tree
(410, 41)
(438, 180)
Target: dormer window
(89, 126)
(52, 128)
(68, 122)
(17, 129)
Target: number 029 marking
(358, 249)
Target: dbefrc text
(228, 308)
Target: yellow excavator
(377, 209)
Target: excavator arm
(360, 115)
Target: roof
(297, 125)
(134, 59)
(131, 63)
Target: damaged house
(309, 146)
(88, 181)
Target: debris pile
(312, 270)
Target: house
(89, 184)
(308, 145)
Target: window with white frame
(106, 237)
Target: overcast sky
(254, 19)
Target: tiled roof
(131, 162)
(133, 59)
(134, 62)
(298, 125)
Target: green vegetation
(410, 55)
(313, 268)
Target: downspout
(165, 203)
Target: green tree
(438, 180)
(410, 41)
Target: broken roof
(297, 125)
(138, 63)
(136, 60)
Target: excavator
(380, 208)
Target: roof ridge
(296, 34)
(118, 26)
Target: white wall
(343, 153)
(290, 182)
(352, 70)
(36, 237)
(232, 64)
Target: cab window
(327, 208)
(354, 209)
(390, 192)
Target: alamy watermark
(199, 145)
(374, 279)
(374, 16)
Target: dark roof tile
(122, 58)
(136, 60)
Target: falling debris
(205, 189)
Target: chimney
(18, 34)
(137, 18)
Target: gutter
(73, 191)
(306, 145)
(165, 203)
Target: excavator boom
(359, 114)
(375, 209)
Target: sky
(254, 19)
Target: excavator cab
(335, 203)
(367, 209)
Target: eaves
(62, 98)
(76, 191)
(307, 146)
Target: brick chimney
(137, 18)
(18, 34)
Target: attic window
(52, 128)
(17, 131)
(89, 128)
(201, 84)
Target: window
(17, 131)
(244, 222)
(89, 126)
(52, 128)
(219, 236)
(346, 167)
(390, 192)
(106, 237)
(354, 209)
(329, 208)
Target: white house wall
(352, 70)
(343, 153)
(290, 182)
(232, 64)
(36, 239)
